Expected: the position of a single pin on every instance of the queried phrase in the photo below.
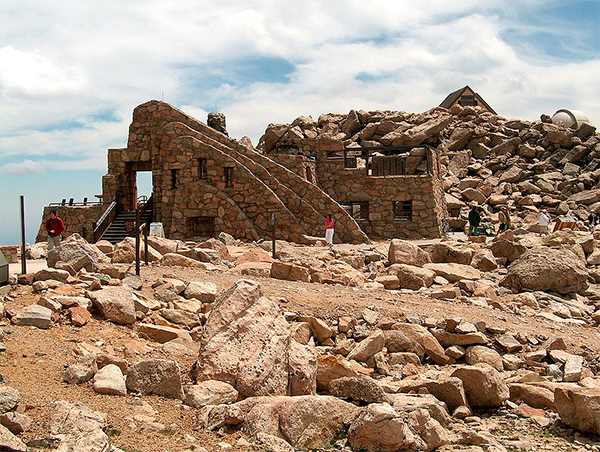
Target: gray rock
(156, 376)
(34, 315)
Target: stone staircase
(122, 226)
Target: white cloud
(37, 75)
(25, 167)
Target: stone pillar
(217, 121)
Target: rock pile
(297, 382)
(486, 159)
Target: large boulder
(411, 276)
(579, 408)
(547, 269)
(246, 343)
(305, 422)
(114, 304)
(451, 252)
(73, 256)
(380, 429)
(483, 385)
(403, 252)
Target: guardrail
(104, 221)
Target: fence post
(137, 242)
(274, 226)
(23, 260)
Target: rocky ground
(372, 347)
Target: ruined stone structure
(204, 183)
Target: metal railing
(104, 221)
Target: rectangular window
(202, 169)
(467, 100)
(358, 210)
(173, 178)
(229, 180)
(402, 210)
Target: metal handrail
(103, 223)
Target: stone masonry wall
(77, 219)
(172, 145)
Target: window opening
(173, 178)
(202, 169)
(229, 181)
(468, 100)
(402, 210)
(359, 210)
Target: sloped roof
(454, 96)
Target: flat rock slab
(35, 315)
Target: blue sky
(71, 72)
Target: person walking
(544, 222)
(504, 219)
(329, 229)
(55, 227)
(474, 219)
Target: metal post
(137, 242)
(23, 260)
(274, 226)
(146, 227)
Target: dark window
(173, 178)
(467, 100)
(201, 226)
(202, 169)
(229, 181)
(402, 210)
(357, 210)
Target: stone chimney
(217, 121)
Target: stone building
(466, 97)
(204, 183)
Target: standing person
(593, 219)
(544, 222)
(55, 227)
(504, 218)
(329, 229)
(474, 219)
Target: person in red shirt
(329, 229)
(55, 227)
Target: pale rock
(155, 376)
(331, 367)
(83, 370)
(114, 304)
(205, 291)
(360, 388)
(110, 380)
(483, 385)
(368, 347)
(535, 396)
(162, 334)
(177, 260)
(10, 442)
(34, 315)
(379, 428)
(210, 392)
(245, 343)
(15, 422)
(479, 354)
(547, 269)
(404, 252)
(423, 337)
(579, 408)
(454, 272)
(73, 418)
(9, 398)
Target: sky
(72, 71)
